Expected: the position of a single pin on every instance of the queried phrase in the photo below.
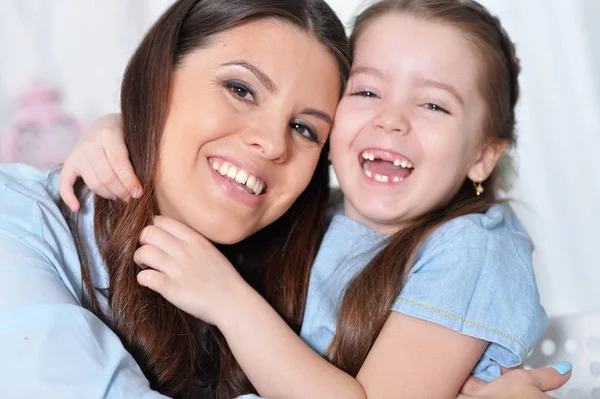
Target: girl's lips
(382, 166)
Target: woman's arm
(51, 346)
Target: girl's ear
(484, 166)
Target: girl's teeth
(366, 166)
(396, 162)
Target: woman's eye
(435, 107)
(240, 90)
(305, 131)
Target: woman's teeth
(239, 175)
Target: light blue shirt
(51, 346)
(473, 275)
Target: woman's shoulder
(31, 219)
(24, 182)
(29, 212)
(27, 199)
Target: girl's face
(248, 118)
(409, 127)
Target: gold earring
(478, 187)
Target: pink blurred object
(42, 134)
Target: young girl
(428, 111)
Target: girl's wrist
(236, 303)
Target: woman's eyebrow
(318, 114)
(260, 75)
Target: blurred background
(61, 63)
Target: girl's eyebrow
(446, 87)
(365, 70)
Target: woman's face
(248, 118)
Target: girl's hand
(517, 383)
(188, 271)
(101, 159)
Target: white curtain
(83, 46)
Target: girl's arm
(101, 159)
(411, 358)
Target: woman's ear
(484, 166)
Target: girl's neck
(387, 228)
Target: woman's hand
(101, 159)
(188, 271)
(531, 384)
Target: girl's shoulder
(480, 232)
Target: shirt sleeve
(478, 281)
(51, 346)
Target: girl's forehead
(398, 43)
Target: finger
(159, 238)
(155, 280)
(118, 157)
(148, 256)
(66, 182)
(472, 386)
(97, 187)
(176, 228)
(551, 378)
(106, 175)
(504, 370)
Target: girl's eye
(365, 93)
(305, 131)
(240, 90)
(435, 107)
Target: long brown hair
(362, 315)
(169, 345)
